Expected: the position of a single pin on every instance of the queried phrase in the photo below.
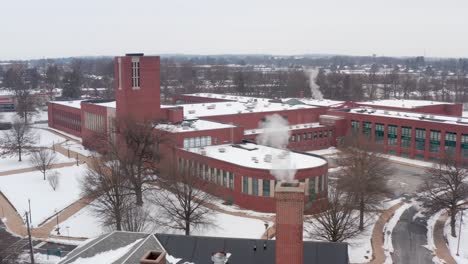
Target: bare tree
(53, 179)
(364, 173)
(181, 202)
(338, 223)
(139, 155)
(446, 187)
(18, 140)
(136, 218)
(43, 160)
(106, 184)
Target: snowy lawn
(44, 200)
(453, 241)
(12, 163)
(46, 138)
(76, 147)
(86, 224)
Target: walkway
(377, 240)
(15, 222)
(409, 238)
(442, 251)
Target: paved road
(405, 179)
(408, 239)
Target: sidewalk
(377, 240)
(442, 250)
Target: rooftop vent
(219, 258)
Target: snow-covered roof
(73, 104)
(411, 116)
(192, 111)
(258, 156)
(236, 98)
(193, 125)
(291, 127)
(402, 103)
(314, 102)
(107, 104)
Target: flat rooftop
(193, 125)
(290, 128)
(236, 98)
(313, 102)
(192, 111)
(258, 156)
(402, 103)
(73, 104)
(411, 116)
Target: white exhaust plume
(314, 88)
(276, 134)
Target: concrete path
(408, 238)
(377, 240)
(14, 222)
(442, 251)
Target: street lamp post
(58, 226)
(459, 230)
(30, 218)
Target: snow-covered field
(86, 224)
(12, 163)
(453, 241)
(19, 188)
(73, 146)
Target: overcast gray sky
(61, 28)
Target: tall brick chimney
(289, 222)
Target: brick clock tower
(137, 87)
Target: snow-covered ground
(388, 229)
(11, 162)
(41, 116)
(86, 224)
(430, 235)
(76, 147)
(453, 241)
(19, 188)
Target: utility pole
(31, 252)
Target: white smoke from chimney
(314, 88)
(276, 134)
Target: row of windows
(215, 175)
(196, 142)
(406, 134)
(94, 122)
(309, 136)
(66, 119)
(265, 187)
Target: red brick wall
(244, 200)
(289, 227)
(65, 118)
(142, 103)
(92, 139)
(412, 151)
